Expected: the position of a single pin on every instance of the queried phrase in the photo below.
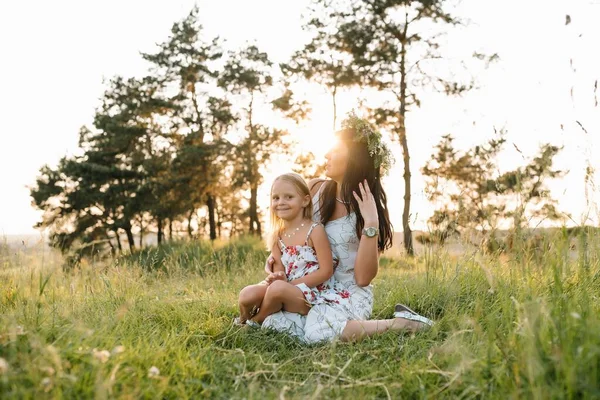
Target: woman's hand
(275, 276)
(366, 205)
(269, 264)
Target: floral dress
(326, 321)
(300, 261)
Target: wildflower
(118, 350)
(46, 384)
(153, 372)
(101, 355)
(3, 366)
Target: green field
(518, 325)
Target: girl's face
(337, 161)
(286, 201)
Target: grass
(522, 325)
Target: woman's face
(337, 161)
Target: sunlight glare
(316, 135)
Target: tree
(527, 184)
(86, 197)
(471, 194)
(199, 164)
(316, 62)
(247, 74)
(186, 61)
(55, 193)
(463, 185)
(80, 207)
(295, 110)
(394, 47)
(307, 166)
(130, 125)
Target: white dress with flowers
(300, 261)
(327, 320)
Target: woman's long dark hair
(360, 167)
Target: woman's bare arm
(367, 258)
(277, 264)
(366, 265)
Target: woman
(352, 206)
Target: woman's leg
(282, 296)
(358, 330)
(250, 298)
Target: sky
(57, 54)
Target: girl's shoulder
(312, 225)
(316, 231)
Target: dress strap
(310, 231)
(323, 182)
(281, 244)
(316, 200)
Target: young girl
(303, 261)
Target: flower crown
(378, 150)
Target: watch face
(371, 232)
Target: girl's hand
(366, 205)
(269, 265)
(275, 276)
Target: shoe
(252, 324)
(249, 322)
(402, 311)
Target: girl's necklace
(342, 201)
(294, 231)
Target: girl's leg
(282, 296)
(250, 298)
(358, 330)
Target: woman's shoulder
(315, 184)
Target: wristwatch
(370, 232)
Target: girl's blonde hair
(277, 223)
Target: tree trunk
(160, 231)
(218, 213)
(255, 228)
(210, 203)
(251, 211)
(189, 224)
(127, 230)
(141, 232)
(254, 222)
(170, 229)
(408, 244)
(112, 246)
(119, 245)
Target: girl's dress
(300, 261)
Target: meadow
(158, 324)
